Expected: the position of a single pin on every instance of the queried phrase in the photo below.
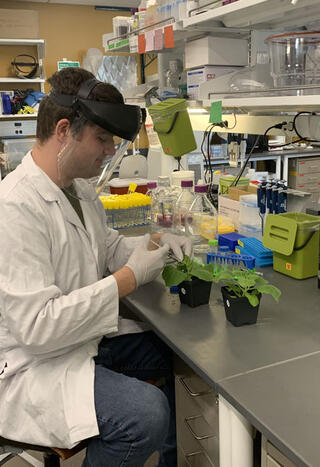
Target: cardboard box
(200, 75)
(216, 51)
(235, 192)
(19, 24)
(230, 208)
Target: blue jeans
(135, 418)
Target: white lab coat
(54, 307)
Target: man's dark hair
(68, 81)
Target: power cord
(297, 132)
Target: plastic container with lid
(120, 186)
(172, 123)
(184, 201)
(201, 213)
(295, 58)
(249, 211)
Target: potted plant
(193, 279)
(242, 292)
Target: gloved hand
(179, 244)
(146, 264)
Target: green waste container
(172, 123)
(294, 239)
(225, 182)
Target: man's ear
(62, 129)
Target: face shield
(120, 121)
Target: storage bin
(294, 239)
(295, 58)
(120, 186)
(216, 51)
(225, 182)
(172, 123)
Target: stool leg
(51, 460)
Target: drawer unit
(304, 166)
(304, 175)
(272, 457)
(197, 421)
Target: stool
(51, 456)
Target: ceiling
(109, 3)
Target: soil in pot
(238, 309)
(195, 292)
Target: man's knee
(154, 415)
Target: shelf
(255, 14)
(18, 116)
(20, 80)
(180, 35)
(119, 46)
(40, 43)
(278, 103)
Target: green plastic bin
(225, 182)
(172, 123)
(294, 239)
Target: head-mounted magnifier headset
(121, 120)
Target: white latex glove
(146, 264)
(179, 244)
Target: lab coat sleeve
(37, 313)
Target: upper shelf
(258, 14)
(270, 103)
(40, 43)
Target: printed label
(288, 266)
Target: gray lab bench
(270, 372)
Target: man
(61, 275)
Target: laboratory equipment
(234, 259)
(166, 200)
(201, 213)
(120, 186)
(229, 239)
(250, 222)
(295, 58)
(152, 213)
(172, 123)
(181, 208)
(254, 247)
(123, 211)
(294, 239)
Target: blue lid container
(229, 239)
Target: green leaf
(269, 289)
(246, 282)
(253, 299)
(201, 272)
(172, 276)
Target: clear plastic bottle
(151, 192)
(165, 205)
(182, 206)
(202, 216)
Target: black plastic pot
(238, 309)
(195, 292)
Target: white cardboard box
(216, 51)
(199, 75)
(230, 208)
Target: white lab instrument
(133, 166)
